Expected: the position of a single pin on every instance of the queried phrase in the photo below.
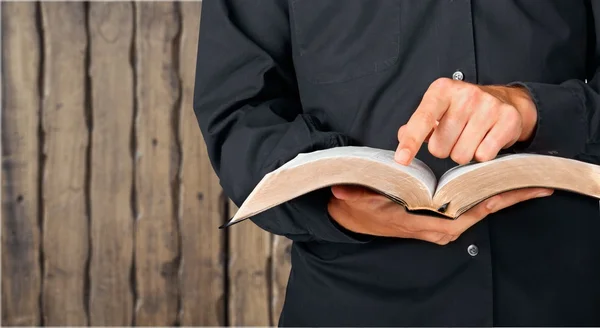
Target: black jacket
(279, 77)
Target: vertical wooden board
(202, 247)
(20, 119)
(111, 216)
(281, 266)
(249, 274)
(65, 222)
(157, 165)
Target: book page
(417, 168)
(459, 170)
(465, 186)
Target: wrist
(523, 102)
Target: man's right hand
(363, 211)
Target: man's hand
(467, 121)
(363, 211)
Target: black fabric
(276, 78)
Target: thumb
(497, 203)
(510, 198)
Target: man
(447, 81)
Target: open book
(415, 186)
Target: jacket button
(473, 250)
(458, 75)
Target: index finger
(434, 104)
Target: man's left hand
(467, 122)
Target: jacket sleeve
(569, 113)
(247, 105)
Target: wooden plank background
(110, 206)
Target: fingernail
(543, 194)
(402, 156)
(491, 204)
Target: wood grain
(202, 269)
(281, 267)
(112, 97)
(249, 274)
(157, 165)
(111, 156)
(20, 168)
(65, 222)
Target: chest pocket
(336, 41)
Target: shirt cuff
(561, 127)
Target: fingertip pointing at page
(403, 156)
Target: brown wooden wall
(110, 207)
